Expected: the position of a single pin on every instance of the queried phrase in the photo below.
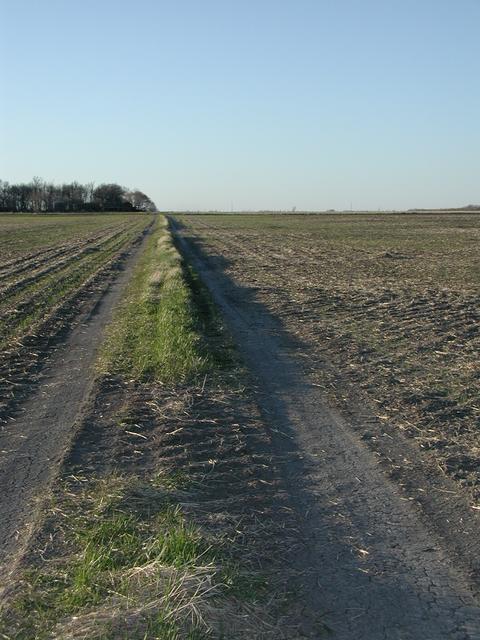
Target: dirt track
(377, 565)
(33, 443)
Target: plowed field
(385, 308)
(49, 266)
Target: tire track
(32, 444)
(376, 567)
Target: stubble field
(49, 265)
(185, 496)
(385, 309)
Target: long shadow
(398, 587)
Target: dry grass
(170, 521)
(387, 306)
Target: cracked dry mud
(376, 566)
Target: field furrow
(31, 261)
(391, 303)
(37, 308)
(54, 262)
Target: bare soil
(389, 542)
(364, 541)
(387, 309)
(50, 376)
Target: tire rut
(375, 567)
(34, 442)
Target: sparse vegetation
(388, 304)
(141, 539)
(50, 265)
(127, 554)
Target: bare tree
(39, 196)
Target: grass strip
(127, 567)
(118, 557)
(167, 329)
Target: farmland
(140, 536)
(254, 427)
(49, 266)
(386, 309)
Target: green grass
(126, 544)
(162, 329)
(132, 567)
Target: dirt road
(33, 443)
(374, 565)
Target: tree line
(39, 196)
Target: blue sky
(251, 104)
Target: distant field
(21, 234)
(47, 264)
(392, 302)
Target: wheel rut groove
(374, 565)
(34, 441)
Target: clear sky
(250, 104)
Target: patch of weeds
(118, 550)
(178, 543)
(111, 544)
(176, 479)
(244, 585)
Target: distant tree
(39, 196)
(109, 197)
(140, 201)
(89, 189)
(4, 195)
(23, 197)
(36, 195)
(50, 196)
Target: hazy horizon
(247, 106)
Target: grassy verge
(165, 328)
(128, 565)
(131, 547)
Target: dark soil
(390, 545)
(49, 380)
